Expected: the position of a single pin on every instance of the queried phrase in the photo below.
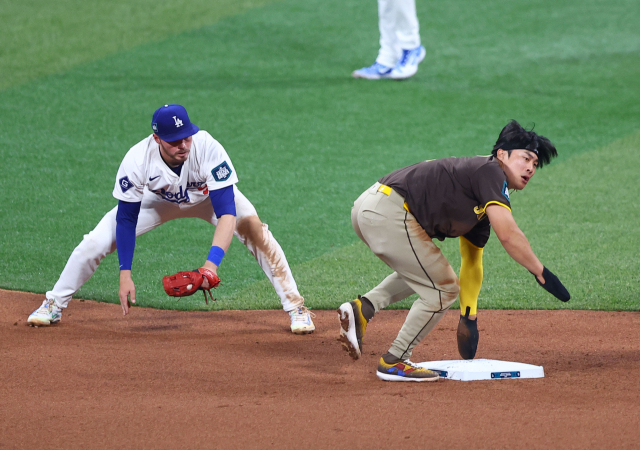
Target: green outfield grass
(271, 81)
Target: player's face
(176, 152)
(520, 166)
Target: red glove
(183, 284)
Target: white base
(483, 369)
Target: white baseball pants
(100, 242)
(399, 29)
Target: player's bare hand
(127, 292)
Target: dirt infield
(238, 379)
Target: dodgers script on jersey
(208, 167)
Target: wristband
(215, 255)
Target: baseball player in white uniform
(178, 171)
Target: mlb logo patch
(154, 126)
(505, 191)
(221, 172)
(125, 184)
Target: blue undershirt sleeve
(223, 201)
(126, 221)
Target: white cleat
(408, 64)
(301, 322)
(47, 314)
(353, 325)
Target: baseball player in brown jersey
(400, 215)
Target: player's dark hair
(513, 136)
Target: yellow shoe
(404, 371)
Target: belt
(386, 190)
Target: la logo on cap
(171, 123)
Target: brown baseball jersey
(448, 197)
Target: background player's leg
(86, 257)
(389, 52)
(407, 26)
(408, 38)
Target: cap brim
(180, 134)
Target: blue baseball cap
(171, 123)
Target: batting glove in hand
(467, 336)
(183, 284)
(553, 286)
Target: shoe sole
(40, 323)
(348, 338)
(365, 77)
(389, 377)
(403, 76)
(299, 332)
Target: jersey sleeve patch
(505, 192)
(125, 184)
(221, 172)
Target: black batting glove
(554, 286)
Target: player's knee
(450, 290)
(94, 245)
(250, 228)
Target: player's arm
(126, 222)
(513, 239)
(517, 246)
(224, 206)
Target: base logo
(505, 374)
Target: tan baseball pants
(382, 220)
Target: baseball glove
(467, 336)
(183, 284)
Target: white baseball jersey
(208, 167)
